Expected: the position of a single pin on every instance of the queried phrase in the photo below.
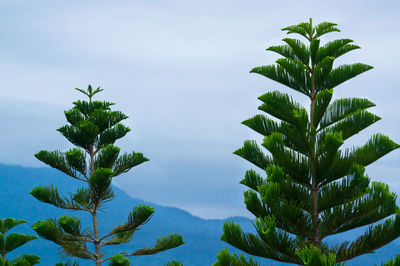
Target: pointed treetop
(307, 30)
(90, 92)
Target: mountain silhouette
(202, 236)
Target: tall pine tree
(313, 188)
(93, 128)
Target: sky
(180, 71)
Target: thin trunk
(94, 216)
(314, 185)
(94, 213)
(96, 238)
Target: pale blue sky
(180, 70)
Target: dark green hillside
(201, 236)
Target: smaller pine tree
(13, 241)
(94, 128)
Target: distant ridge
(201, 236)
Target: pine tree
(313, 188)
(93, 128)
(13, 241)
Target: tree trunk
(94, 216)
(96, 237)
(314, 186)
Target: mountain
(201, 236)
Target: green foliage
(81, 200)
(66, 232)
(313, 188)
(173, 263)
(7, 224)
(49, 194)
(342, 108)
(311, 256)
(94, 128)
(163, 243)
(224, 258)
(23, 260)
(343, 73)
(106, 157)
(334, 49)
(126, 161)
(13, 241)
(393, 261)
(56, 160)
(279, 74)
(82, 134)
(68, 263)
(140, 215)
(119, 260)
(100, 185)
(76, 159)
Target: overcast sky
(180, 71)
